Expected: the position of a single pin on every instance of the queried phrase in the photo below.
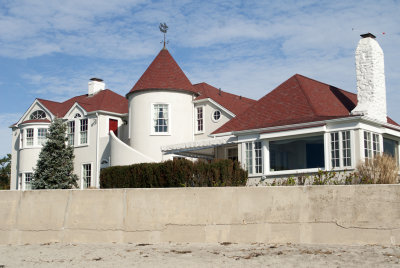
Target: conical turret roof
(163, 73)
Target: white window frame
(266, 155)
(84, 182)
(340, 149)
(31, 139)
(71, 133)
(198, 120)
(27, 185)
(41, 140)
(83, 131)
(169, 123)
(371, 144)
(212, 116)
(249, 155)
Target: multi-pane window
(199, 119)
(371, 144)
(216, 115)
(87, 175)
(28, 181)
(254, 160)
(340, 149)
(42, 136)
(335, 158)
(84, 131)
(22, 138)
(71, 132)
(258, 156)
(29, 137)
(39, 114)
(249, 157)
(160, 118)
(346, 148)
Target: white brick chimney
(371, 89)
(95, 85)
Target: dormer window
(38, 114)
(77, 115)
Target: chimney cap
(96, 79)
(368, 35)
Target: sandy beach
(197, 255)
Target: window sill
(160, 134)
(199, 133)
(293, 171)
(31, 147)
(81, 145)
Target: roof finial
(164, 28)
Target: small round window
(216, 115)
(38, 114)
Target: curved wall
(180, 126)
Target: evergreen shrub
(174, 173)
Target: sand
(197, 255)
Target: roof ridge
(305, 95)
(312, 79)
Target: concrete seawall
(361, 214)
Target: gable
(233, 103)
(35, 113)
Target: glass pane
(301, 153)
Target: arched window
(38, 114)
(77, 115)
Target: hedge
(174, 173)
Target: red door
(113, 126)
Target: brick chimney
(95, 85)
(371, 89)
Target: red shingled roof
(297, 100)
(163, 73)
(234, 103)
(104, 100)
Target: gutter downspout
(97, 183)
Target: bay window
(42, 136)
(371, 144)
(29, 137)
(340, 149)
(28, 180)
(253, 156)
(391, 147)
(297, 153)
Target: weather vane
(164, 28)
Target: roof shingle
(297, 100)
(163, 73)
(234, 103)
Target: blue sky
(51, 48)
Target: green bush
(174, 173)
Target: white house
(304, 125)
(301, 126)
(107, 129)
